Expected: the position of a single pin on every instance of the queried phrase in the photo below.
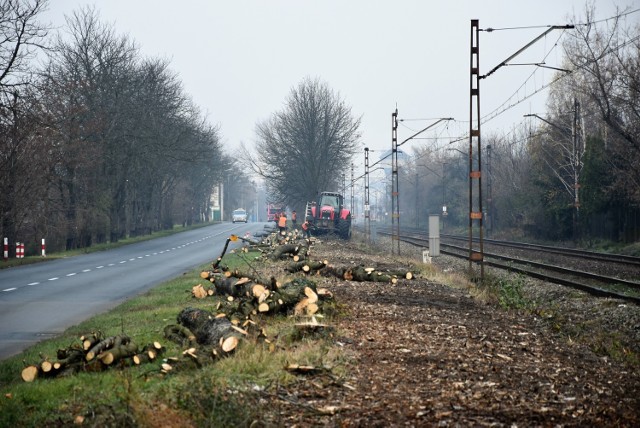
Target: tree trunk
(210, 330)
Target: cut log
(141, 358)
(118, 352)
(207, 329)
(88, 341)
(324, 294)
(179, 334)
(199, 292)
(236, 273)
(30, 373)
(305, 266)
(303, 253)
(224, 250)
(71, 362)
(360, 273)
(304, 369)
(284, 250)
(312, 329)
(149, 353)
(312, 308)
(107, 343)
(264, 307)
(300, 307)
(311, 295)
(46, 367)
(229, 344)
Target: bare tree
(22, 36)
(606, 58)
(133, 153)
(20, 156)
(303, 149)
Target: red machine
(329, 215)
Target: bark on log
(118, 352)
(107, 343)
(306, 266)
(224, 250)
(359, 273)
(237, 273)
(288, 296)
(179, 334)
(303, 253)
(208, 329)
(285, 249)
(226, 286)
(90, 340)
(236, 311)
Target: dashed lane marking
(132, 259)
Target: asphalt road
(42, 300)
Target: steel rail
(596, 291)
(616, 258)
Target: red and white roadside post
(43, 248)
(6, 249)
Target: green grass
(226, 392)
(508, 292)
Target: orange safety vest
(282, 222)
(305, 225)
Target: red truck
(273, 211)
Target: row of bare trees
(97, 142)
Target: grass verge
(226, 392)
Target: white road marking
(132, 259)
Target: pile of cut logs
(95, 352)
(243, 295)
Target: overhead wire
(497, 112)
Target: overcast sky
(239, 59)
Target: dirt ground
(424, 354)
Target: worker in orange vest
(306, 229)
(282, 223)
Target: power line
(499, 110)
(495, 113)
(610, 18)
(490, 30)
(529, 27)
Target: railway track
(534, 265)
(605, 257)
